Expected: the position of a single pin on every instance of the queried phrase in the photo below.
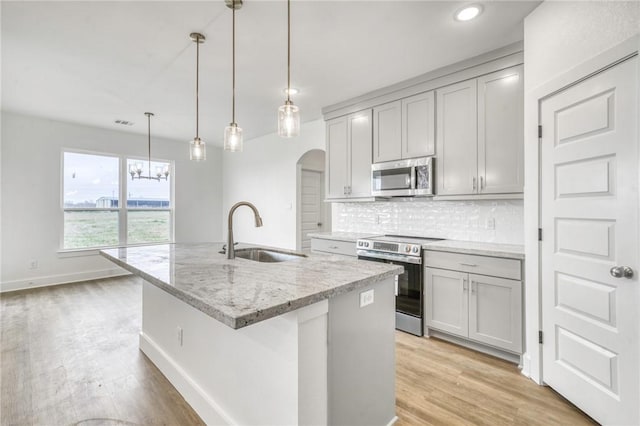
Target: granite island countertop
(240, 292)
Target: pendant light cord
(197, 86)
(233, 64)
(149, 141)
(288, 50)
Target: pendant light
(288, 114)
(135, 170)
(233, 133)
(197, 151)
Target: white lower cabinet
(484, 309)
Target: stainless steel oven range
(407, 252)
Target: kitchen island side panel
(362, 357)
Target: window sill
(65, 253)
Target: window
(94, 184)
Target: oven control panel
(390, 247)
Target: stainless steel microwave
(403, 178)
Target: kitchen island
(308, 340)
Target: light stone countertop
(510, 251)
(341, 236)
(241, 292)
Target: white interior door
(311, 206)
(589, 199)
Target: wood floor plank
(69, 356)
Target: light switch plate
(366, 298)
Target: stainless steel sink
(265, 255)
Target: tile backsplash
(495, 221)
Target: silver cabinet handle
(481, 182)
(473, 265)
(464, 285)
(333, 247)
(474, 184)
(621, 271)
(319, 223)
(473, 287)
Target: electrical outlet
(366, 298)
(491, 223)
(179, 335)
(33, 264)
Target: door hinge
(539, 131)
(540, 339)
(539, 234)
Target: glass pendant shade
(288, 120)
(197, 151)
(233, 138)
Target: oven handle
(388, 256)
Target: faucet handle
(224, 247)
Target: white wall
(558, 36)
(31, 215)
(265, 175)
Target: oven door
(409, 292)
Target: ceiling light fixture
(288, 114)
(135, 170)
(197, 149)
(233, 133)
(468, 12)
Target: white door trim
(532, 359)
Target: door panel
(418, 125)
(589, 199)
(446, 301)
(457, 139)
(387, 134)
(360, 157)
(337, 157)
(500, 134)
(495, 312)
(311, 206)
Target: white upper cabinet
(418, 125)
(457, 139)
(349, 144)
(500, 132)
(387, 133)
(404, 129)
(480, 135)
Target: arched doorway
(313, 214)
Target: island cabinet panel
(349, 152)
(457, 139)
(362, 357)
(500, 135)
(418, 125)
(387, 133)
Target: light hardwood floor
(69, 356)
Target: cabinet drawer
(347, 248)
(483, 265)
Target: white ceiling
(95, 62)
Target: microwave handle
(413, 183)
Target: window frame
(122, 209)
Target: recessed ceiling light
(291, 91)
(469, 12)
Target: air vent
(125, 122)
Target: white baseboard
(60, 279)
(208, 410)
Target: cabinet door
(360, 157)
(495, 312)
(387, 134)
(337, 158)
(457, 139)
(418, 125)
(500, 132)
(446, 301)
